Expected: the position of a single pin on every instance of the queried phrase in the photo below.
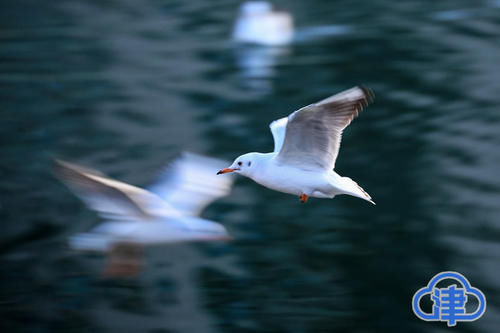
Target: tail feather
(352, 188)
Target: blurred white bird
(167, 212)
(259, 23)
(306, 145)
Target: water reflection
(258, 66)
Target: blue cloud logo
(449, 302)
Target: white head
(245, 164)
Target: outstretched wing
(313, 133)
(108, 197)
(190, 183)
(278, 129)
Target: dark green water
(124, 86)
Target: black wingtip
(369, 95)
(60, 167)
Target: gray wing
(278, 129)
(110, 198)
(313, 133)
(190, 183)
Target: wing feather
(278, 129)
(190, 183)
(313, 133)
(105, 195)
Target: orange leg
(303, 197)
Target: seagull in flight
(306, 145)
(260, 24)
(166, 212)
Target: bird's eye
(249, 163)
(239, 163)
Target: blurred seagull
(306, 145)
(167, 212)
(259, 23)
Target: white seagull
(259, 23)
(167, 212)
(306, 145)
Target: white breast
(289, 179)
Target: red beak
(226, 170)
